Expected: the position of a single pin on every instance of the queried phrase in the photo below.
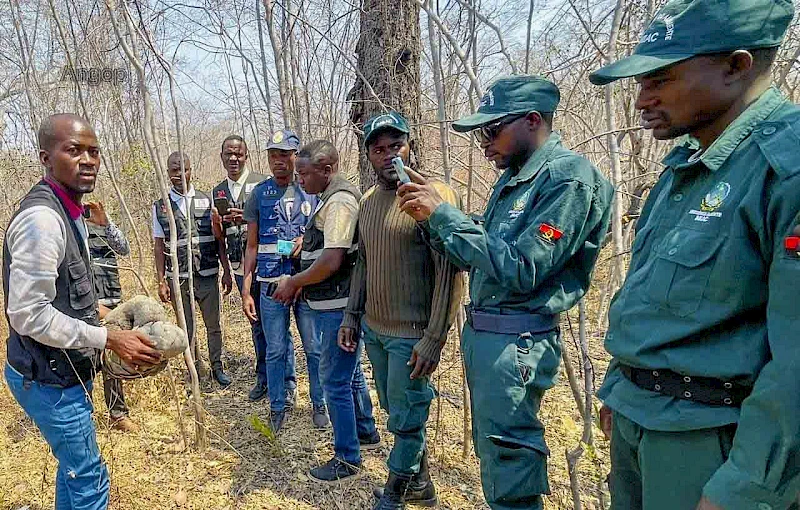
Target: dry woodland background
(156, 76)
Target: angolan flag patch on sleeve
(549, 232)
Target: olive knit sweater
(402, 287)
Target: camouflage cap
(683, 29)
(285, 140)
(510, 95)
(378, 123)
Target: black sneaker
(276, 420)
(291, 399)
(370, 442)
(335, 471)
(319, 417)
(258, 392)
(222, 378)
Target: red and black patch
(792, 246)
(221, 194)
(550, 233)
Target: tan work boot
(124, 424)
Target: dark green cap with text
(384, 121)
(683, 29)
(512, 95)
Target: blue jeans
(275, 321)
(64, 417)
(345, 388)
(260, 343)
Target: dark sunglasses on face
(491, 131)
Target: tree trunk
(388, 52)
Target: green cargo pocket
(415, 413)
(516, 468)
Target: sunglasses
(491, 131)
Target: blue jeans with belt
(64, 417)
(345, 388)
(275, 321)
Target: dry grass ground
(242, 469)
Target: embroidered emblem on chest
(713, 200)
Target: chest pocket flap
(683, 262)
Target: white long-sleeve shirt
(36, 240)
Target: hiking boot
(319, 417)
(124, 424)
(258, 392)
(335, 471)
(371, 442)
(291, 399)
(222, 378)
(276, 420)
(421, 490)
(394, 492)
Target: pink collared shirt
(74, 209)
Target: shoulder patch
(778, 142)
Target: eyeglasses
(489, 132)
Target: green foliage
(262, 428)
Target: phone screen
(397, 163)
(222, 206)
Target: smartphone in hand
(222, 206)
(398, 166)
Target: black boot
(421, 490)
(394, 492)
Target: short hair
(319, 151)
(178, 154)
(47, 129)
(763, 58)
(229, 138)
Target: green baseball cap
(683, 29)
(391, 120)
(510, 95)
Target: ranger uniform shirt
(711, 291)
(541, 235)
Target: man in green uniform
(530, 258)
(703, 394)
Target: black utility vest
(104, 267)
(75, 297)
(332, 293)
(205, 257)
(236, 235)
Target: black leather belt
(510, 324)
(705, 390)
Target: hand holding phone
(399, 167)
(222, 206)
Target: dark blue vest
(276, 223)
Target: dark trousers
(112, 392)
(115, 398)
(407, 400)
(206, 295)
